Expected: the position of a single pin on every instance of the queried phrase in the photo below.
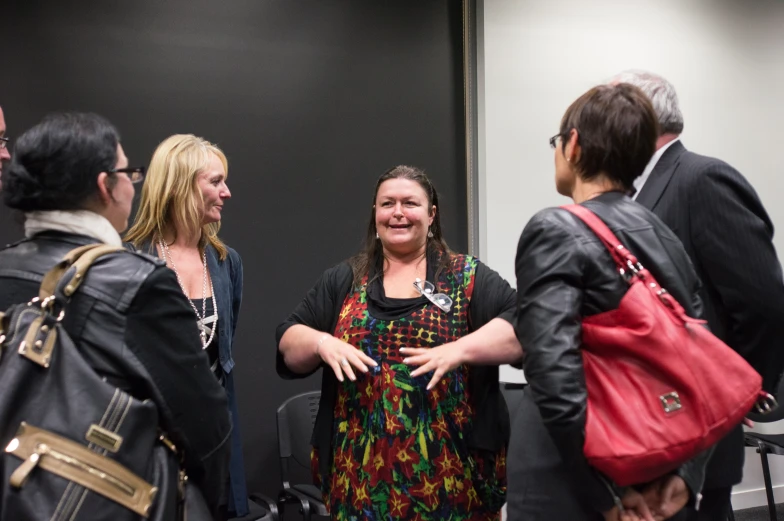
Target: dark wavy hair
(372, 254)
(617, 130)
(55, 164)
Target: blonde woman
(178, 220)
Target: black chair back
(296, 418)
(513, 394)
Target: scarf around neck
(80, 222)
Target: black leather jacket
(134, 327)
(565, 273)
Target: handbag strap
(80, 259)
(624, 259)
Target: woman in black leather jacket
(70, 177)
(565, 273)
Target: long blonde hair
(171, 193)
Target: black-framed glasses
(135, 173)
(554, 140)
(444, 302)
(4, 142)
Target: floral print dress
(400, 452)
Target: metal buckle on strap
(634, 270)
(766, 403)
(167, 442)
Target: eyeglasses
(135, 174)
(428, 290)
(4, 142)
(554, 140)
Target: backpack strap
(80, 259)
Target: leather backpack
(75, 446)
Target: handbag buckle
(766, 403)
(634, 270)
(671, 402)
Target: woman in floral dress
(411, 425)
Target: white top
(80, 222)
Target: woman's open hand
(440, 360)
(343, 358)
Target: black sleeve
(237, 281)
(693, 473)
(318, 310)
(161, 331)
(733, 242)
(549, 266)
(492, 297)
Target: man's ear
(105, 186)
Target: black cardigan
(492, 298)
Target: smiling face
(212, 183)
(403, 215)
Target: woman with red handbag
(565, 273)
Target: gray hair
(662, 95)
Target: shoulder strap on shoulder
(81, 259)
(619, 253)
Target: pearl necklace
(204, 341)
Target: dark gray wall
(311, 101)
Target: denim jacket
(227, 283)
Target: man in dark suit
(727, 233)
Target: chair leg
(766, 475)
(305, 511)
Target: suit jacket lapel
(661, 175)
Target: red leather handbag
(661, 387)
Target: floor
(749, 514)
(759, 514)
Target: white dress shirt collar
(640, 181)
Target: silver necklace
(200, 318)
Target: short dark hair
(56, 163)
(617, 130)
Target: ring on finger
(343, 362)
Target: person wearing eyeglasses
(70, 177)
(565, 273)
(5, 155)
(411, 423)
(178, 221)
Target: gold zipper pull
(21, 473)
